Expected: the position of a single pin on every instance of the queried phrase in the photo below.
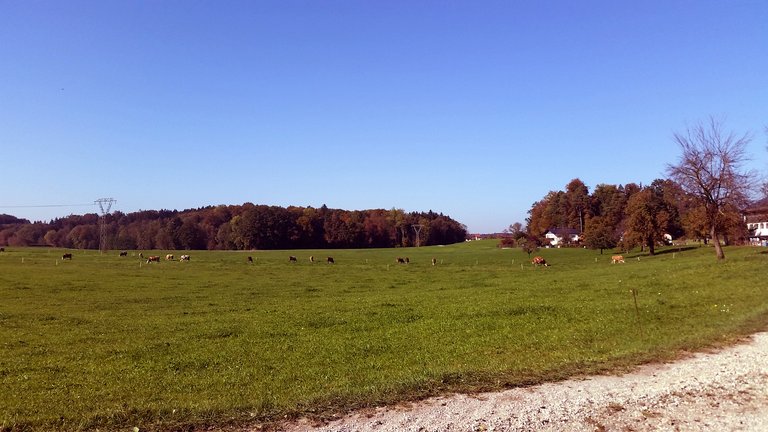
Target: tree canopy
(246, 226)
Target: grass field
(111, 343)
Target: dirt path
(720, 391)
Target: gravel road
(726, 390)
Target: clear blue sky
(472, 109)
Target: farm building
(558, 236)
(756, 218)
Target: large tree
(600, 234)
(710, 168)
(648, 219)
(577, 204)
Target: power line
(47, 205)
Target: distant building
(558, 236)
(484, 236)
(756, 218)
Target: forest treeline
(625, 216)
(238, 227)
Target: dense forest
(625, 216)
(241, 227)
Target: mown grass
(103, 342)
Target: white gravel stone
(725, 390)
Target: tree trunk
(716, 241)
(651, 247)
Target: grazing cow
(154, 258)
(617, 259)
(169, 257)
(292, 259)
(330, 260)
(123, 253)
(311, 258)
(434, 261)
(400, 260)
(407, 260)
(66, 256)
(539, 261)
(184, 258)
(250, 259)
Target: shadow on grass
(676, 250)
(667, 250)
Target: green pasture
(111, 343)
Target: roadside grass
(108, 342)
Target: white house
(556, 236)
(756, 218)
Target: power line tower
(105, 205)
(417, 230)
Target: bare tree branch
(711, 168)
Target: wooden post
(637, 311)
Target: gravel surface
(725, 390)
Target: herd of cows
(156, 258)
(537, 260)
(292, 258)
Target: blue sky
(472, 109)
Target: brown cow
(539, 261)
(66, 256)
(292, 259)
(123, 253)
(617, 259)
(169, 257)
(400, 260)
(250, 259)
(154, 258)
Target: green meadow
(112, 343)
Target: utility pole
(105, 205)
(417, 230)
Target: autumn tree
(600, 234)
(647, 219)
(577, 204)
(529, 244)
(710, 169)
(671, 195)
(608, 202)
(550, 212)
